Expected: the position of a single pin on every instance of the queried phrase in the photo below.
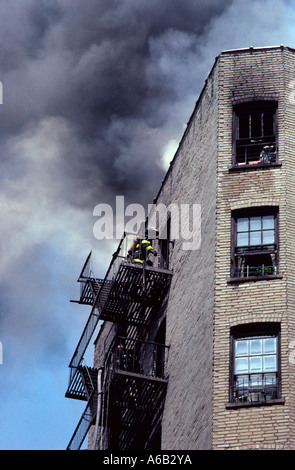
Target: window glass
(256, 346)
(242, 381)
(255, 223)
(255, 364)
(256, 380)
(242, 347)
(242, 239)
(269, 379)
(269, 363)
(255, 238)
(243, 224)
(268, 237)
(269, 345)
(255, 246)
(255, 355)
(255, 369)
(255, 230)
(242, 365)
(268, 222)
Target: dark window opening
(165, 243)
(255, 363)
(255, 133)
(255, 243)
(159, 354)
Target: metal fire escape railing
(137, 357)
(87, 419)
(128, 294)
(88, 416)
(135, 387)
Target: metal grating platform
(82, 382)
(134, 294)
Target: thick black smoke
(102, 71)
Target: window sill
(238, 280)
(275, 401)
(253, 167)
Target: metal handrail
(137, 356)
(256, 387)
(86, 420)
(248, 271)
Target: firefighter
(140, 249)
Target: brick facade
(252, 75)
(203, 304)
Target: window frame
(165, 244)
(254, 212)
(246, 109)
(249, 331)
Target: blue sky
(96, 96)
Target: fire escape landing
(133, 294)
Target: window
(255, 372)
(165, 244)
(255, 243)
(255, 133)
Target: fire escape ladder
(89, 290)
(89, 379)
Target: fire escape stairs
(130, 297)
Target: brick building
(193, 351)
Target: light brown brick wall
(249, 76)
(289, 151)
(187, 420)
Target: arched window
(255, 363)
(255, 133)
(255, 242)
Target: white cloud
(169, 153)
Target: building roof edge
(260, 48)
(224, 52)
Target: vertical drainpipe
(99, 400)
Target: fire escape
(127, 393)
